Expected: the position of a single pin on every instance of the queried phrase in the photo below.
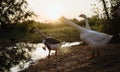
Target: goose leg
(56, 53)
(93, 53)
(98, 52)
(56, 56)
(49, 54)
(48, 65)
(56, 60)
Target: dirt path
(77, 59)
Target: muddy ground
(78, 59)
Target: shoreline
(77, 59)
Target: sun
(53, 12)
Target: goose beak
(83, 16)
(44, 48)
(79, 16)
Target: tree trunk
(108, 23)
(106, 11)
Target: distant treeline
(23, 31)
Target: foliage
(114, 2)
(111, 25)
(14, 55)
(13, 11)
(22, 32)
(95, 23)
(115, 21)
(15, 30)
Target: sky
(53, 9)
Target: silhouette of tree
(112, 25)
(106, 11)
(14, 55)
(115, 20)
(13, 11)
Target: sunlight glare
(48, 10)
(53, 12)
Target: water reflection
(40, 53)
(68, 44)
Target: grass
(64, 34)
(60, 31)
(22, 32)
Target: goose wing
(51, 40)
(52, 43)
(98, 37)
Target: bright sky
(53, 9)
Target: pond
(40, 53)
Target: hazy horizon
(52, 10)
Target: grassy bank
(23, 32)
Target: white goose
(50, 42)
(93, 38)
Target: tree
(11, 56)
(13, 11)
(106, 11)
(115, 20)
(111, 20)
(114, 2)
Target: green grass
(59, 30)
(64, 34)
